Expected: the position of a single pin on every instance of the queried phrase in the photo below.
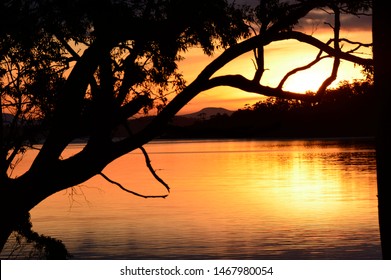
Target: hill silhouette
(178, 122)
(348, 111)
(208, 112)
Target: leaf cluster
(43, 36)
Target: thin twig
(148, 162)
(129, 191)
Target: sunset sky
(280, 58)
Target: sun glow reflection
(267, 198)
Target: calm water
(229, 199)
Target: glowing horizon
(280, 58)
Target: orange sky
(280, 58)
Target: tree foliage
(135, 48)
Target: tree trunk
(13, 208)
(382, 62)
(18, 196)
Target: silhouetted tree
(81, 68)
(382, 62)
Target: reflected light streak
(264, 197)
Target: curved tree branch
(204, 82)
(148, 161)
(129, 191)
(359, 44)
(153, 172)
(305, 67)
(301, 37)
(242, 83)
(337, 60)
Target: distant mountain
(208, 112)
(177, 122)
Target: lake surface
(230, 199)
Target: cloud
(321, 19)
(357, 22)
(316, 19)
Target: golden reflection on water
(229, 199)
